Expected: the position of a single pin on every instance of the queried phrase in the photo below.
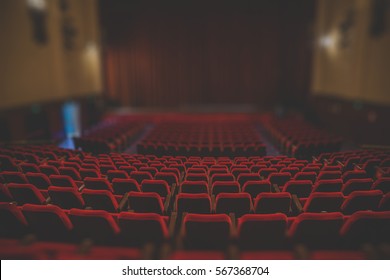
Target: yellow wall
(31, 72)
(359, 71)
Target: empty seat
(265, 172)
(66, 198)
(25, 193)
(237, 203)
(194, 187)
(361, 200)
(5, 195)
(100, 200)
(169, 177)
(310, 176)
(354, 174)
(120, 174)
(366, 227)
(48, 222)
(196, 177)
(70, 171)
(267, 203)
(39, 180)
(262, 231)
(29, 167)
(14, 177)
(384, 204)
(62, 181)
(222, 178)
(193, 203)
(256, 187)
(225, 187)
(12, 222)
(356, 185)
(317, 230)
(329, 175)
(301, 188)
(333, 185)
(324, 202)
(138, 229)
(49, 170)
(158, 186)
(97, 225)
(97, 184)
(139, 176)
(382, 184)
(206, 231)
(146, 202)
(123, 186)
(280, 179)
(92, 173)
(245, 177)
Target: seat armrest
(297, 207)
(275, 188)
(172, 224)
(167, 203)
(123, 203)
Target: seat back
(324, 202)
(262, 231)
(268, 203)
(206, 231)
(140, 228)
(100, 200)
(193, 203)
(25, 193)
(146, 202)
(66, 198)
(48, 222)
(237, 203)
(361, 200)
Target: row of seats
(43, 250)
(114, 134)
(295, 137)
(197, 231)
(214, 137)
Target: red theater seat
(157, 186)
(237, 203)
(123, 186)
(382, 184)
(356, 185)
(301, 188)
(193, 203)
(317, 230)
(324, 202)
(256, 187)
(225, 187)
(14, 177)
(39, 180)
(206, 231)
(62, 181)
(361, 200)
(268, 203)
(48, 222)
(194, 187)
(384, 204)
(97, 184)
(26, 193)
(262, 231)
(333, 185)
(97, 225)
(146, 203)
(66, 198)
(138, 229)
(13, 224)
(366, 227)
(100, 200)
